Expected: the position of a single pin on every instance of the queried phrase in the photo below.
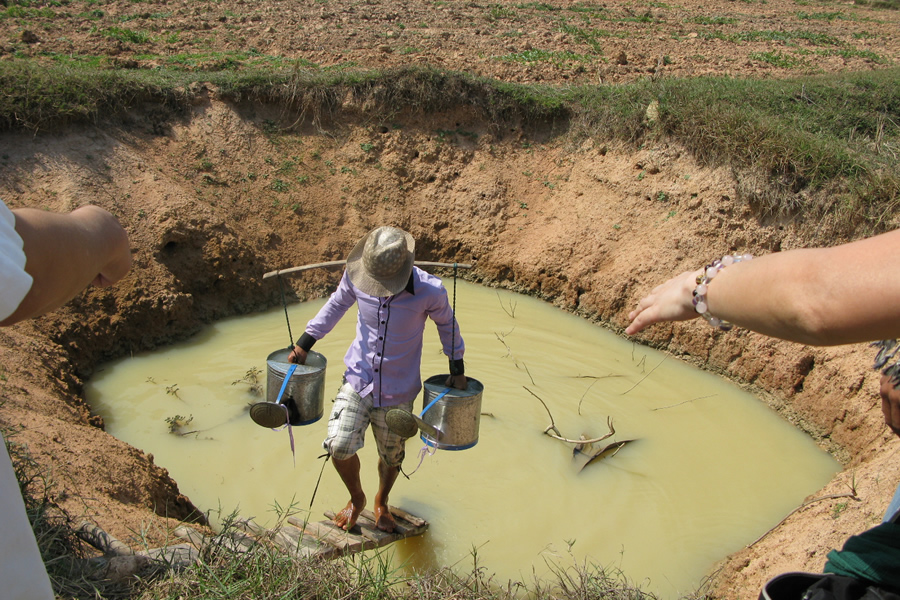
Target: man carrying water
(394, 300)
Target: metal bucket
(455, 413)
(304, 394)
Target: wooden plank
(234, 541)
(323, 538)
(277, 537)
(412, 519)
(329, 533)
(336, 263)
(401, 530)
(176, 557)
(306, 545)
(99, 539)
(191, 535)
(240, 542)
(376, 537)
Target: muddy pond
(709, 469)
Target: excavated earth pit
(215, 198)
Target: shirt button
(376, 370)
(382, 322)
(380, 338)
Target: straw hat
(381, 262)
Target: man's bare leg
(348, 469)
(384, 520)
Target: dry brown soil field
(214, 199)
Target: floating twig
(646, 376)
(524, 366)
(558, 436)
(595, 378)
(502, 341)
(684, 402)
(512, 307)
(585, 394)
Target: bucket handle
(432, 403)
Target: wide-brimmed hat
(381, 262)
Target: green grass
(558, 58)
(702, 20)
(17, 11)
(824, 16)
(125, 35)
(777, 59)
(785, 37)
(835, 132)
(592, 37)
(265, 571)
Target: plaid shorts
(347, 425)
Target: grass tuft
(839, 133)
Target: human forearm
(784, 295)
(66, 253)
(821, 296)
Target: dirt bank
(214, 199)
(587, 228)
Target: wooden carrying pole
(335, 263)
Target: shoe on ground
(269, 414)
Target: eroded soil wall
(216, 198)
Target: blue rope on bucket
(433, 402)
(287, 412)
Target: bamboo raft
(298, 538)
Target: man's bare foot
(384, 520)
(346, 519)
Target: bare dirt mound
(217, 198)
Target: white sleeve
(14, 280)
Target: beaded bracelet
(710, 271)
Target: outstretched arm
(67, 252)
(819, 296)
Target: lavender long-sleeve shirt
(385, 357)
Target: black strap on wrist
(306, 342)
(457, 367)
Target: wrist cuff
(457, 367)
(306, 342)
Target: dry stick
(684, 402)
(512, 308)
(549, 414)
(335, 263)
(558, 436)
(585, 394)
(524, 366)
(509, 354)
(646, 376)
(804, 505)
(596, 378)
(502, 341)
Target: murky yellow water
(711, 467)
